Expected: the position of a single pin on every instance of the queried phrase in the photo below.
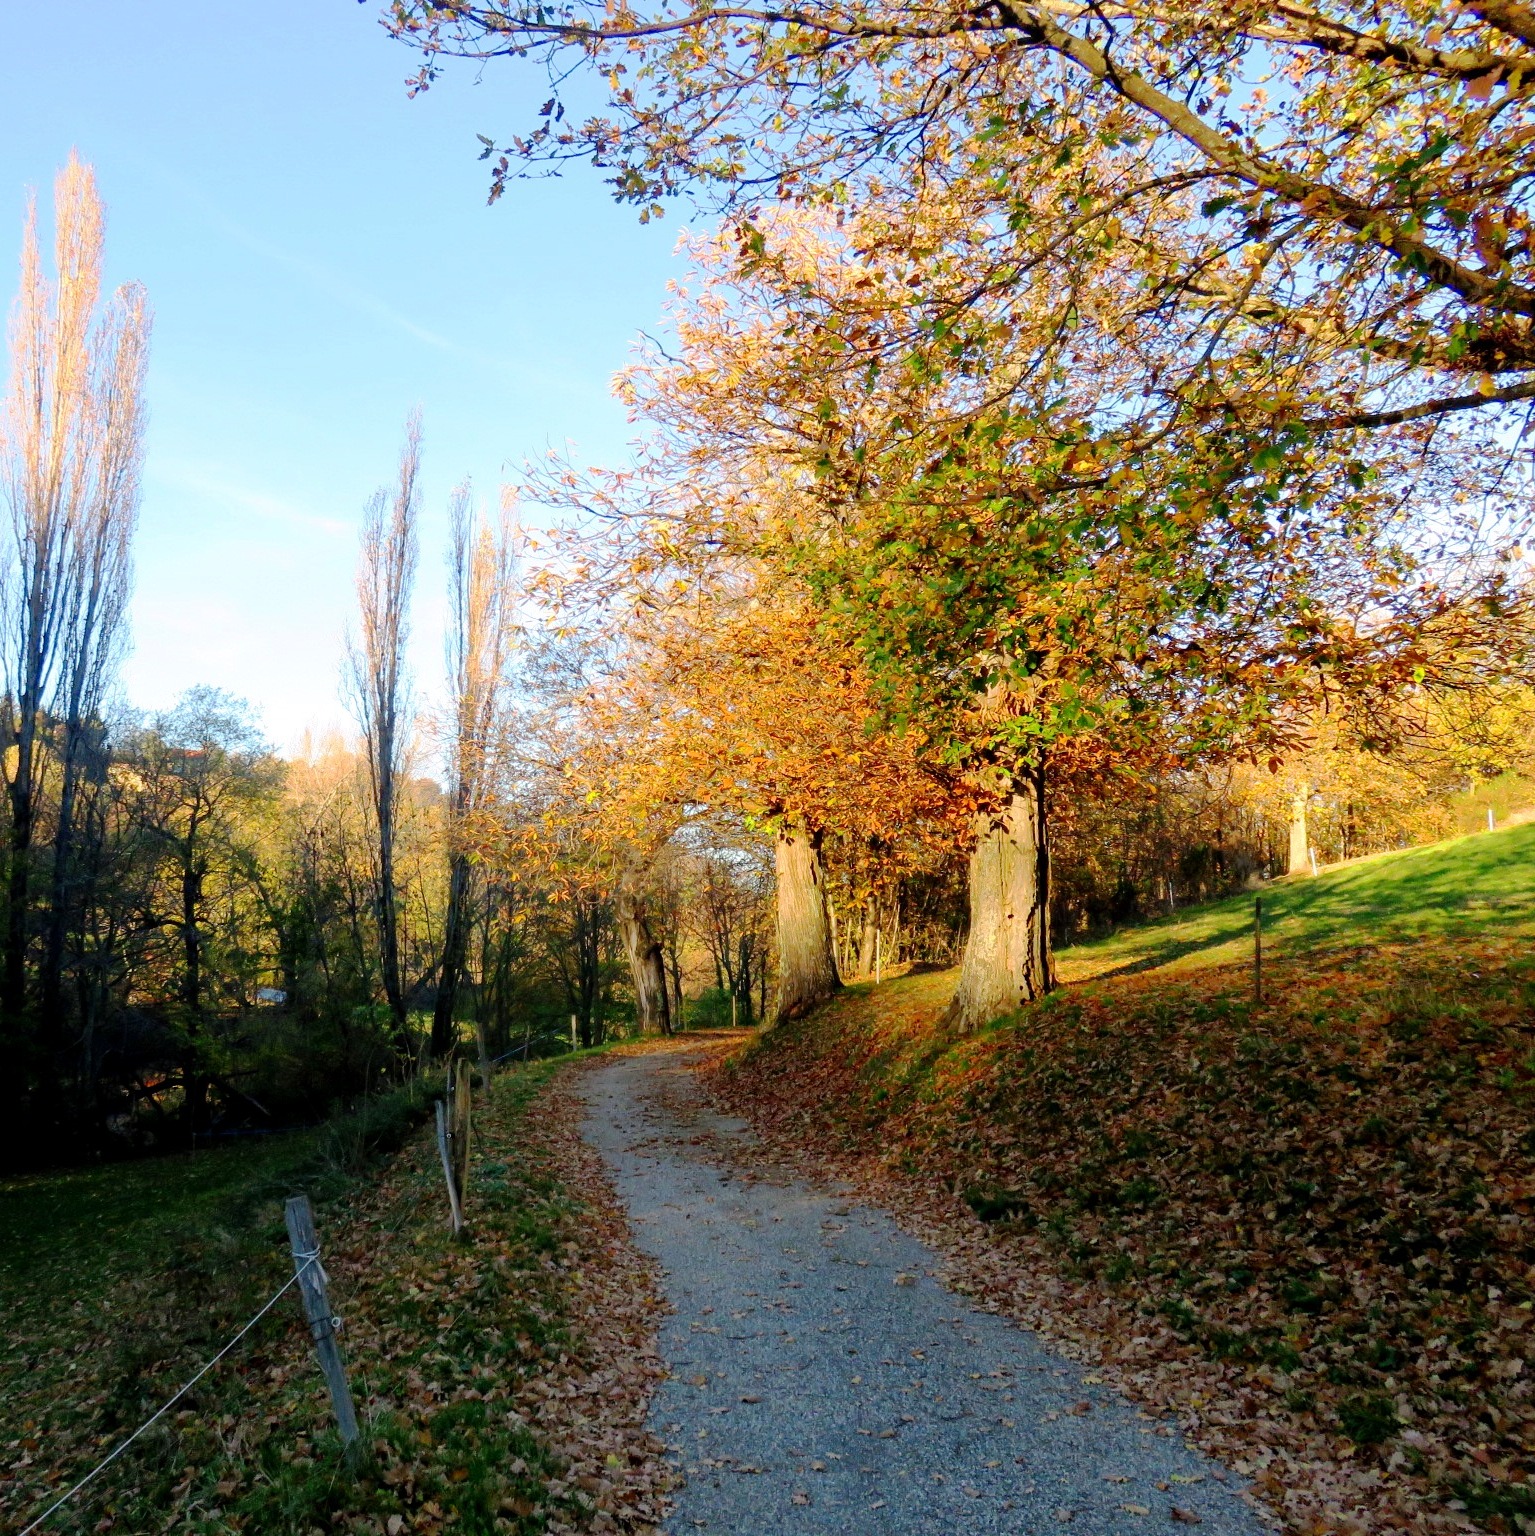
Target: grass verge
(1474, 886)
(117, 1283)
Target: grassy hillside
(117, 1282)
(1481, 884)
(1308, 1225)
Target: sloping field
(1307, 1227)
(1483, 884)
(500, 1381)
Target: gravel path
(823, 1381)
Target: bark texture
(647, 965)
(1300, 840)
(868, 940)
(1007, 955)
(807, 961)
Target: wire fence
(170, 1402)
(309, 1275)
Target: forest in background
(1066, 492)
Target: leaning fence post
(455, 1209)
(458, 1127)
(1257, 949)
(311, 1284)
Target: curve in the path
(823, 1380)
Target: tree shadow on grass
(1477, 884)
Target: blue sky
(320, 259)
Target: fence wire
(171, 1402)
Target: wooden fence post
(458, 1127)
(311, 1284)
(456, 1211)
(1257, 949)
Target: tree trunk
(13, 980)
(1300, 841)
(389, 924)
(807, 964)
(675, 966)
(647, 965)
(455, 934)
(867, 939)
(1007, 954)
(60, 906)
(743, 977)
(196, 1076)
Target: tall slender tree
(73, 434)
(481, 635)
(379, 690)
(101, 547)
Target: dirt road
(823, 1380)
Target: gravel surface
(823, 1380)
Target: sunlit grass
(1483, 883)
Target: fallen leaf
(1186, 1516)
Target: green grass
(117, 1282)
(1322, 1198)
(1482, 883)
(119, 1218)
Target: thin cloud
(319, 276)
(261, 504)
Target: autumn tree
(731, 900)
(1014, 540)
(197, 771)
(1350, 175)
(71, 450)
(1093, 365)
(379, 689)
(481, 634)
(732, 697)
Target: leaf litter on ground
(1303, 1229)
(502, 1381)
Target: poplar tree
(378, 685)
(72, 445)
(481, 635)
